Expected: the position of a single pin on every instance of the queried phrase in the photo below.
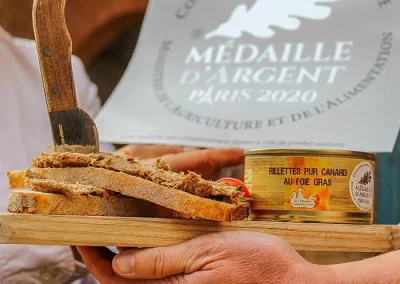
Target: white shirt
(24, 133)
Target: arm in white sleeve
(32, 263)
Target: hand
(206, 162)
(228, 257)
(151, 151)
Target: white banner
(319, 74)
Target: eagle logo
(260, 19)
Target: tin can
(327, 186)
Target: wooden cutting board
(152, 232)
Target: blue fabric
(387, 203)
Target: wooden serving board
(152, 232)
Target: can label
(299, 183)
(307, 183)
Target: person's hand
(228, 257)
(206, 162)
(142, 151)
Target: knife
(72, 128)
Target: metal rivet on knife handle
(48, 52)
(55, 91)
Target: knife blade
(73, 130)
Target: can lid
(309, 152)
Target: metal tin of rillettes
(327, 186)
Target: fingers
(150, 151)
(122, 249)
(205, 160)
(208, 162)
(145, 264)
(77, 256)
(98, 262)
(163, 262)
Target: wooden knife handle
(54, 47)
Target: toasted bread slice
(177, 200)
(159, 173)
(32, 202)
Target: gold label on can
(311, 183)
(306, 183)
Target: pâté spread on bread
(69, 183)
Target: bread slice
(177, 200)
(181, 195)
(159, 173)
(20, 201)
(81, 194)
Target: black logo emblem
(366, 179)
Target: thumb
(162, 262)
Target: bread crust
(185, 203)
(32, 202)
